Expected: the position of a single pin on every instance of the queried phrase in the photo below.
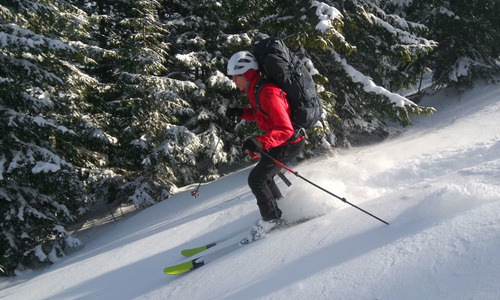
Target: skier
(280, 140)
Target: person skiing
(280, 140)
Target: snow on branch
(369, 86)
(189, 59)
(93, 50)
(31, 69)
(327, 14)
(28, 39)
(461, 68)
(78, 77)
(213, 144)
(237, 40)
(6, 79)
(404, 37)
(142, 196)
(104, 136)
(68, 238)
(16, 119)
(169, 84)
(38, 97)
(218, 79)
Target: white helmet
(241, 62)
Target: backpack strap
(258, 89)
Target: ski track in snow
(437, 184)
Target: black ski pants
(261, 179)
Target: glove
(232, 112)
(252, 145)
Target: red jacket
(276, 124)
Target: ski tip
(179, 269)
(193, 251)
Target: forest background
(124, 101)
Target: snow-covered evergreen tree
(80, 94)
(40, 189)
(196, 30)
(468, 33)
(138, 102)
(383, 58)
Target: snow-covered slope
(437, 184)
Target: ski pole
(319, 187)
(196, 192)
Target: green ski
(205, 259)
(183, 268)
(194, 251)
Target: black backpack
(280, 66)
